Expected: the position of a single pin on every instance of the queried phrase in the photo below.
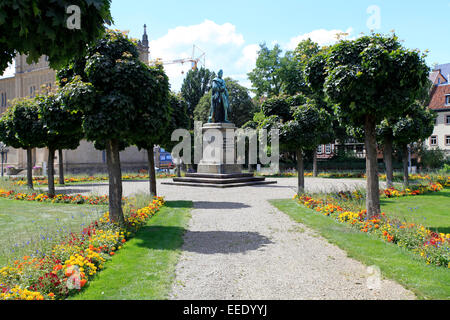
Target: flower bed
(412, 190)
(431, 246)
(70, 265)
(43, 181)
(60, 198)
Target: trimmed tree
(300, 131)
(23, 129)
(39, 28)
(385, 137)
(152, 119)
(371, 78)
(63, 131)
(179, 119)
(106, 88)
(416, 126)
(385, 131)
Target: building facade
(27, 81)
(440, 102)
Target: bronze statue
(220, 105)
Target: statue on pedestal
(220, 105)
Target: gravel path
(240, 247)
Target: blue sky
(244, 24)
(230, 31)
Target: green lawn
(427, 282)
(144, 269)
(432, 210)
(21, 221)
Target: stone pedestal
(219, 156)
(218, 167)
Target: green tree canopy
(152, 120)
(303, 126)
(117, 94)
(22, 128)
(295, 63)
(63, 129)
(196, 84)
(267, 76)
(39, 28)
(369, 79)
(416, 126)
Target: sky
(230, 32)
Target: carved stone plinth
(218, 167)
(219, 157)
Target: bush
(432, 158)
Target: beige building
(27, 81)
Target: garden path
(238, 246)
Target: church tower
(143, 47)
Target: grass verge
(145, 267)
(427, 282)
(430, 210)
(23, 221)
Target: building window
(447, 140)
(3, 100)
(433, 141)
(32, 91)
(447, 99)
(328, 149)
(447, 119)
(320, 149)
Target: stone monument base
(215, 171)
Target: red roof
(438, 94)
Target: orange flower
(51, 294)
(123, 240)
(83, 282)
(57, 267)
(111, 253)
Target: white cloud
(224, 47)
(9, 72)
(249, 56)
(322, 36)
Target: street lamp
(3, 151)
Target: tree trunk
(51, 173)
(61, 167)
(30, 168)
(373, 185)
(388, 162)
(301, 174)
(115, 182)
(405, 166)
(151, 172)
(315, 163)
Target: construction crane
(194, 60)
